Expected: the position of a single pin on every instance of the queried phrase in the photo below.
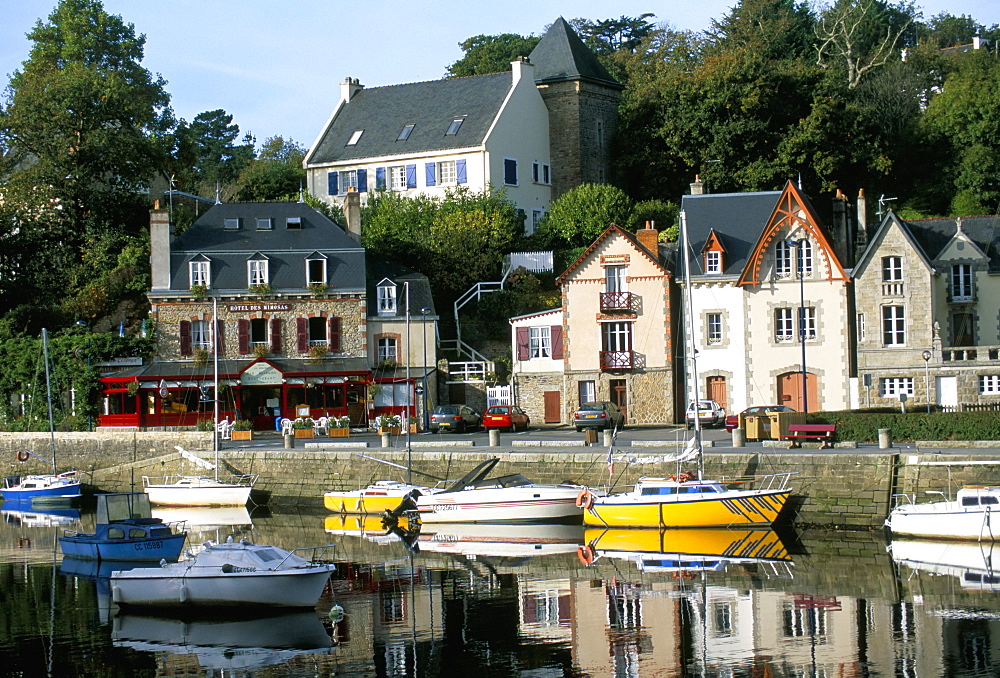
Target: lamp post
(926, 355)
(427, 422)
(797, 244)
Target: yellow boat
(384, 495)
(369, 526)
(685, 501)
(682, 549)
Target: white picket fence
(499, 395)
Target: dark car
(506, 417)
(458, 418)
(733, 420)
(600, 415)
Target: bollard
(608, 437)
(739, 437)
(289, 441)
(385, 440)
(884, 439)
(494, 437)
(590, 436)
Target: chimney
(522, 68)
(159, 246)
(977, 42)
(843, 241)
(698, 187)
(349, 88)
(861, 235)
(352, 213)
(649, 238)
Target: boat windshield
(513, 480)
(682, 489)
(132, 506)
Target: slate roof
(562, 55)
(738, 219)
(934, 234)
(382, 112)
(286, 249)
(420, 290)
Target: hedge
(864, 426)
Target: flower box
(241, 435)
(391, 430)
(339, 432)
(303, 432)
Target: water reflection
(556, 601)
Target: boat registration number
(445, 507)
(148, 545)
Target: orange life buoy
(23, 455)
(584, 500)
(586, 554)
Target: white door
(947, 391)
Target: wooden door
(790, 391)
(618, 395)
(553, 406)
(716, 389)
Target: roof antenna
(218, 193)
(302, 197)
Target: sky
(276, 65)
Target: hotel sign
(260, 374)
(257, 307)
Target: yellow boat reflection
(675, 550)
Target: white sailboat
(201, 490)
(52, 487)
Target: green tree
(861, 35)
(625, 33)
(276, 174)
(577, 217)
(209, 144)
(491, 54)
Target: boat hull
(554, 504)
(21, 495)
(186, 587)
(370, 500)
(198, 495)
(736, 509)
(150, 550)
(945, 523)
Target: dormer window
(454, 126)
(386, 298)
(293, 223)
(257, 272)
(355, 137)
(199, 273)
(404, 133)
(231, 224)
(316, 270)
(264, 224)
(713, 261)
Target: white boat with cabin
(973, 514)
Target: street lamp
(798, 245)
(427, 422)
(926, 355)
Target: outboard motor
(409, 503)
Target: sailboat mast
(48, 396)
(215, 383)
(692, 351)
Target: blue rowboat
(126, 531)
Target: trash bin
(591, 435)
(752, 424)
(780, 421)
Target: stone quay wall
(830, 490)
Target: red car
(733, 420)
(506, 418)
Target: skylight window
(355, 137)
(454, 126)
(404, 133)
(293, 222)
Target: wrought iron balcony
(612, 302)
(617, 360)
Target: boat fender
(116, 594)
(586, 554)
(23, 455)
(183, 597)
(585, 500)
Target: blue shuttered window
(411, 176)
(379, 178)
(430, 174)
(362, 180)
(461, 176)
(510, 171)
(332, 183)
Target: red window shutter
(557, 343)
(185, 337)
(243, 335)
(522, 343)
(302, 335)
(220, 337)
(275, 335)
(335, 334)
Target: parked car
(710, 413)
(458, 418)
(506, 417)
(733, 420)
(600, 415)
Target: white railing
(499, 395)
(476, 370)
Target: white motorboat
(501, 541)
(199, 490)
(503, 499)
(976, 566)
(970, 516)
(226, 575)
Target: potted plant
(242, 429)
(199, 292)
(414, 424)
(339, 427)
(200, 357)
(303, 427)
(389, 423)
(260, 289)
(317, 289)
(317, 352)
(260, 350)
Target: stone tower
(582, 99)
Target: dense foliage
(911, 426)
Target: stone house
(535, 131)
(928, 313)
(301, 320)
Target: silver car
(600, 415)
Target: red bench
(799, 432)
